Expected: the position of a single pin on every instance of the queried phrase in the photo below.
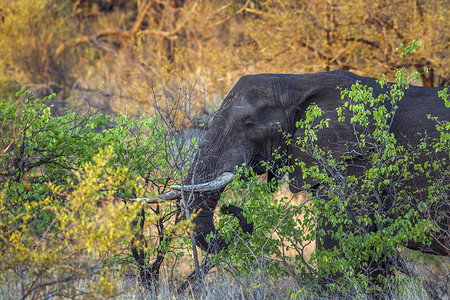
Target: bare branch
(107, 32)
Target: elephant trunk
(203, 205)
(219, 183)
(203, 199)
(210, 171)
(204, 226)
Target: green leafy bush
(64, 181)
(369, 216)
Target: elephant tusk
(172, 195)
(220, 182)
(169, 196)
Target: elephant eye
(249, 125)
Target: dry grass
(259, 287)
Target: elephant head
(260, 111)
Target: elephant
(257, 114)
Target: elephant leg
(270, 177)
(326, 243)
(373, 267)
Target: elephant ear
(320, 89)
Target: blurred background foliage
(120, 50)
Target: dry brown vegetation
(122, 49)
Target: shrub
(368, 233)
(64, 182)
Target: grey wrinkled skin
(249, 124)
